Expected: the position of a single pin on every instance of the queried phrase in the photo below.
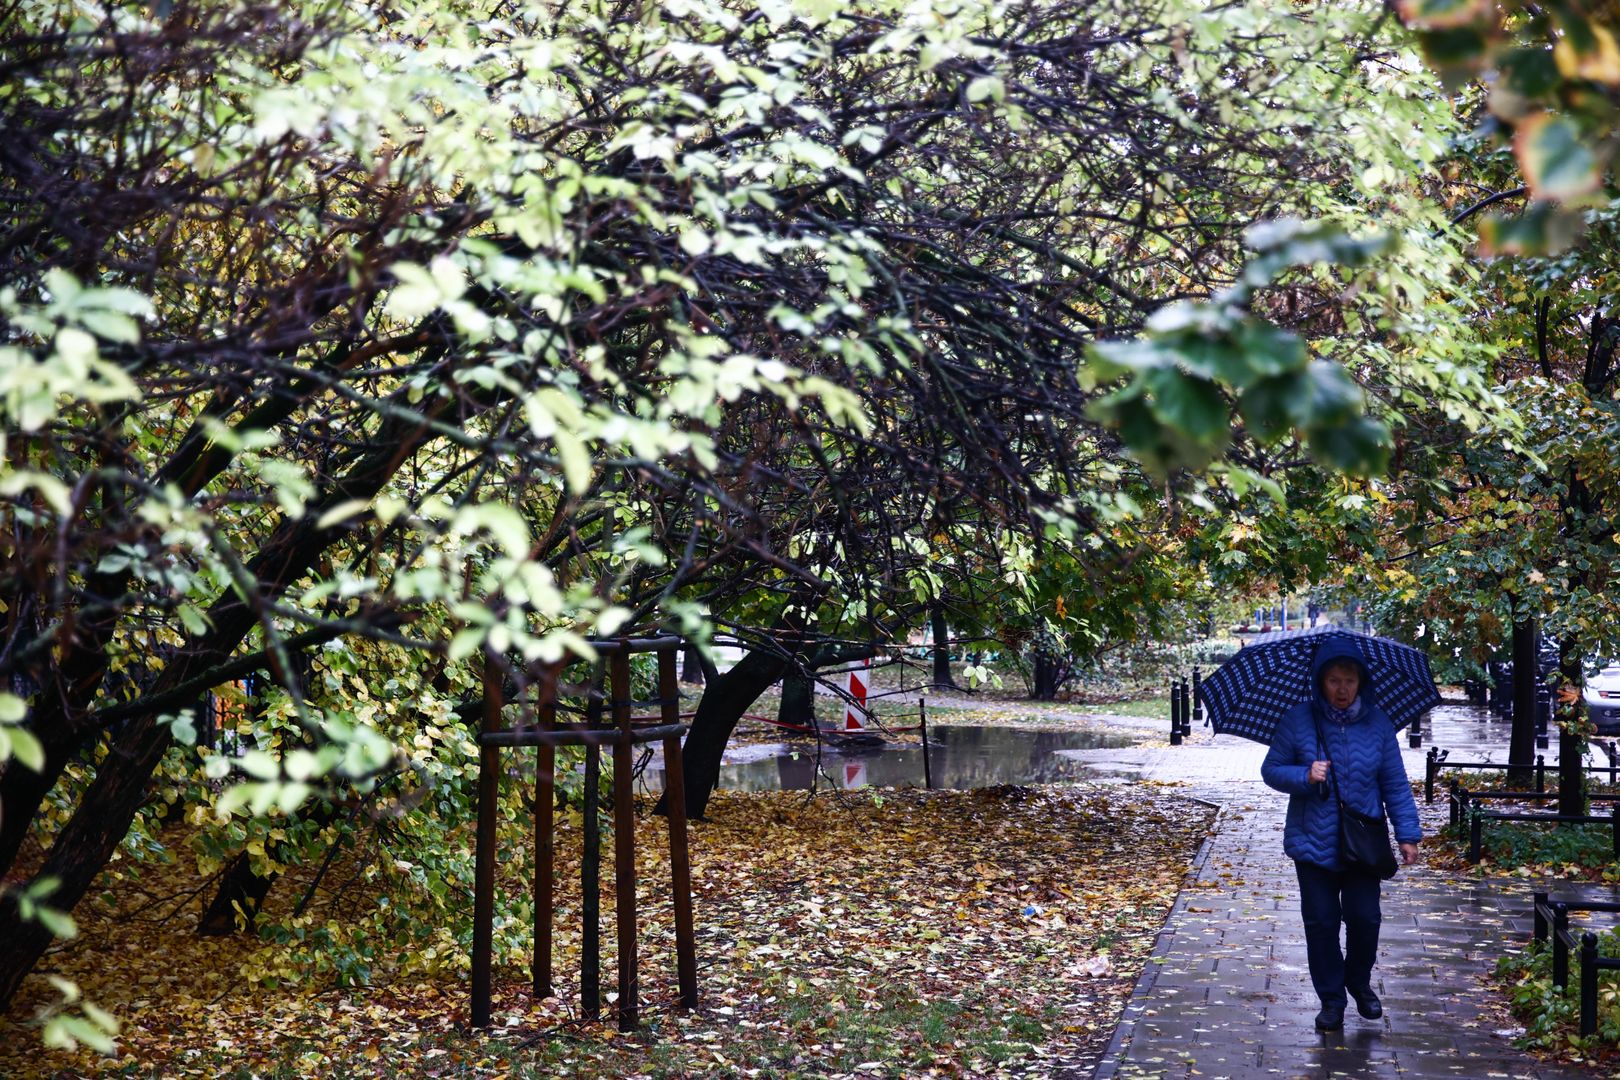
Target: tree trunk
(725, 698)
(56, 720)
(102, 818)
(239, 887)
(1571, 747)
(798, 699)
(1045, 677)
(197, 460)
(942, 649)
(22, 790)
(83, 846)
(1526, 677)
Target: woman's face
(1340, 685)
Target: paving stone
(1232, 997)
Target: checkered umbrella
(1249, 693)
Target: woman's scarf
(1343, 716)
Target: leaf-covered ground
(981, 933)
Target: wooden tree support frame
(624, 735)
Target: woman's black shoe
(1331, 1018)
(1367, 1004)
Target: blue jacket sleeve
(1280, 770)
(1397, 792)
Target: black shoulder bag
(1364, 846)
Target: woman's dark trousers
(1326, 899)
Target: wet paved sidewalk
(1227, 992)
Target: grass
(844, 1027)
(1153, 708)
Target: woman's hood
(1340, 647)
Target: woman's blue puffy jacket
(1366, 759)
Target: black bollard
(1175, 716)
(1544, 711)
(1560, 934)
(1589, 974)
(922, 720)
(590, 871)
(1186, 707)
(1198, 696)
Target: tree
(348, 343)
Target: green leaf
(1267, 350)
(101, 1017)
(417, 293)
(195, 621)
(1529, 71)
(13, 709)
(1210, 356)
(576, 460)
(1269, 406)
(1332, 396)
(65, 1031)
(1321, 395)
(1543, 229)
(124, 301)
(1359, 446)
(62, 286)
(502, 522)
(466, 642)
(52, 490)
(1287, 242)
(1193, 406)
(1557, 161)
(235, 797)
(260, 765)
(986, 87)
(111, 326)
(291, 796)
(182, 727)
(1434, 14)
(342, 511)
(66, 987)
(59, 923)
(1111, 359)
(25, 747)
(1456, 54)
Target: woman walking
(1342, 740)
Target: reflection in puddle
(960, 758)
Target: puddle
(961, 758)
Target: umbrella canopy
(1271, 674)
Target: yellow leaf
(1601, 63)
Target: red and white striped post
(855, 711)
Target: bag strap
(1321, 739)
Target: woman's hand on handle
(1319, 771)
(1409, 854)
